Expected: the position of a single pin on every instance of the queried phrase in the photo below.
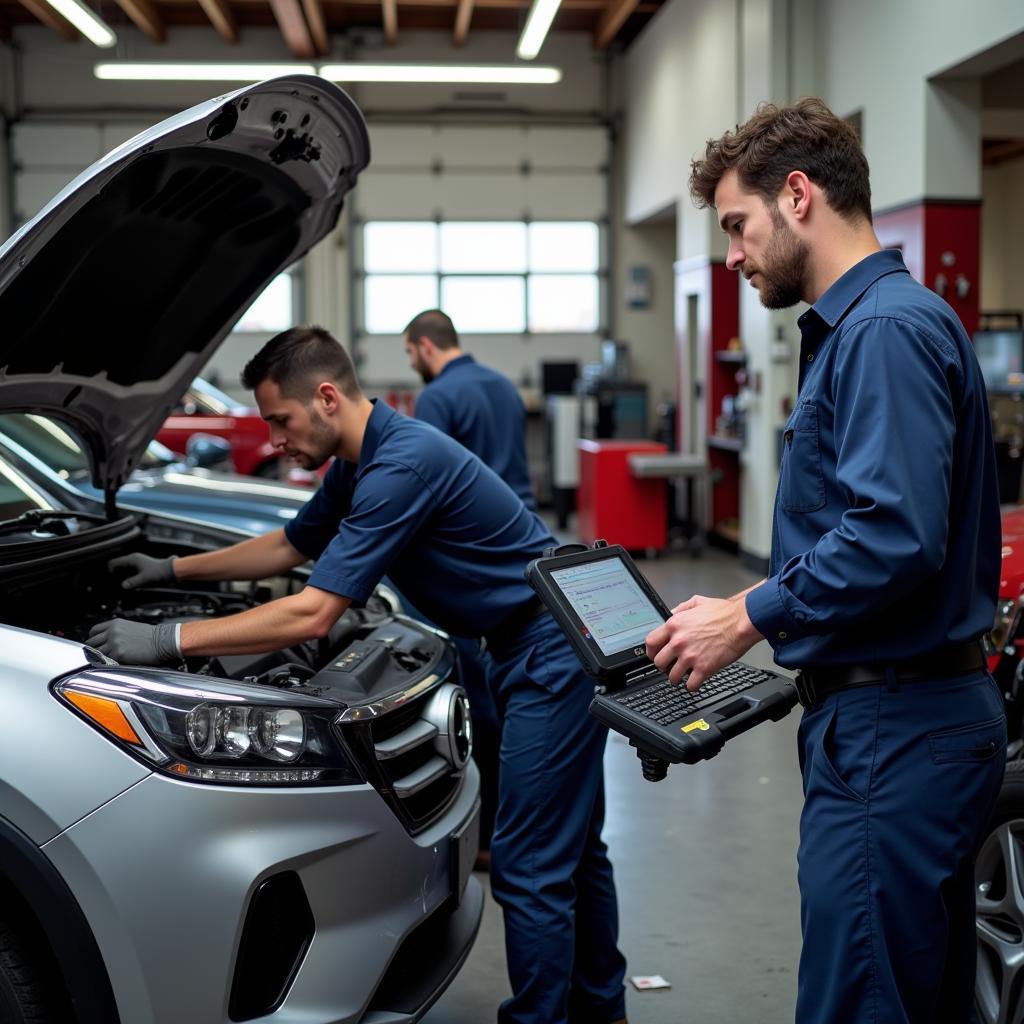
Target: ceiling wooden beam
(51, 19)
(615, 13)
(317, 25)
(221, 18)
(993, 153)
(463, 16)
(145, 17)
(389, 12)
(292, 24)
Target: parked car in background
(205, 409)
(1000, 866)
(285, 834)
(49, 454)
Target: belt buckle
(805, 691)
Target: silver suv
(285, 835)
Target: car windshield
(17, 495)
(205, 398)
(56, 447)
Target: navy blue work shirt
(482, 410)
(418, 506)
(886, 534)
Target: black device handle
(574, 548)
(748, 713)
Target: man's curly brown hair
(806, 137)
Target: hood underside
(119, 291)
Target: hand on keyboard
(703, 635)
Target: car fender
(60, 918)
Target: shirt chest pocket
(801, 484)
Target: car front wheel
(999, 876)
(23, 996)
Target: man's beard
(323, 443)
(423, 370)
(784, 266)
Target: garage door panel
(567, 147)
(401, 146)
(56, 145)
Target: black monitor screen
(1000, 353)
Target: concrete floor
(705, 863)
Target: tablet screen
(611, 605)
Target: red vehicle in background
(999, 871)
(205, 409)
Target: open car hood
(117, 293)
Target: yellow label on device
(692, 726)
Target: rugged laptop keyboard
(664, 702)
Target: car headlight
(222, 732)
(1003, 627)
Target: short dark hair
(806, 137)
(296, 359)
(436, 326)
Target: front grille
(406, 758)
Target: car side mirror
(205, 451)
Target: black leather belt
(814, 684)
(505, 634)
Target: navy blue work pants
(549, 868)
(898, 786)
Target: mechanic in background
(474, 404)
(404, 500)
(482, 410)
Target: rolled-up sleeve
(894, 389)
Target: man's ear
(425, 346)
(796, 195)
(328, 395)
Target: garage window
(498, 277)
(274, 308)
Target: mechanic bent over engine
(403, 499)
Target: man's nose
(276, 438)
(736, 256)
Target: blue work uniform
(886, 549)
(455, 539)
(482, 410)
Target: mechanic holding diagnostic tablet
(883, 576)
(403, 499)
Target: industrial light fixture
(199, 72)
(492, 74)
(542, 13)
(94, 28)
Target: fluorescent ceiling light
(86, 21)
(503, 74)
(199, 72)
(542, 13)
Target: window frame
(601, 275)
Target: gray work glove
(135, 643)
(147, 571)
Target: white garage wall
(1002, 227)
(877, 56)
(482, 172)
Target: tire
(24, 998)
(999, 875)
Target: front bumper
(166, 871)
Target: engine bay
(370, 652)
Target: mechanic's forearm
(253, 559)
(281, 623)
